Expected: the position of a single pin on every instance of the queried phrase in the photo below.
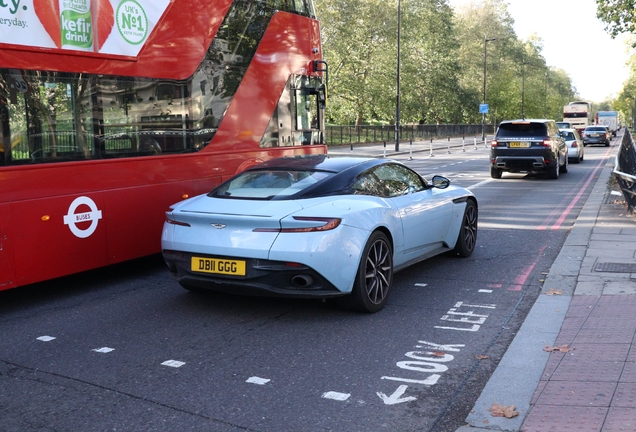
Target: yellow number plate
(516, 144)
(218, 266)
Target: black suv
(528, 146)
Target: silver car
(576, 149)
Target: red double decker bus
(111, 110)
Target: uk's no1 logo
(72, 218)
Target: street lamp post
(397, 84)
(483, 114)
(523, 89)
(545, 97)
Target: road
(125, 348)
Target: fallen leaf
(562, 348)
(503, 411)
(553, 292)
(481, 357)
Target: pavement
(572, 364)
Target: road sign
(483, 108)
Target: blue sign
(483, 108)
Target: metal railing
(368, 134)
(625, 169)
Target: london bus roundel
(72, 219)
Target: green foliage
(618, 15)
(441, 63)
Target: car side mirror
(441, 182)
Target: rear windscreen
(521, 130)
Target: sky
(567, 25)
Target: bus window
(308, 113)
(299, 116)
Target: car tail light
(574, 144)
(171, 220)
(546, 143)
(494, 143)
(327, 224)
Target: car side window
(388, 181)
(368, 184)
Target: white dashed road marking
(173, 363)
(257, 380)
(336, 396)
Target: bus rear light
(45, 218)
(185, 196)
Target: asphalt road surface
(127, 349)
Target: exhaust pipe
(302, 281)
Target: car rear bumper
(522, 163)
(596, 140)
(262, 278)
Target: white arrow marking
(396, 398)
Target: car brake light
(546, 143)
(494, 143)
(171, 220)
(574, 144)
(327, 225)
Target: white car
(576, 149)
(317, 227)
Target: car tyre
(495, 173)
(467, 238)
(553, 172)
(564, 168)
(375, 275)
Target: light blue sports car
(315, 226)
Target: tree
(618, 15)
(360, 45)
(517, 74)
(357, 45)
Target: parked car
(315, 226)
(576, 149)
(529, 146)
(564, 125)
(597, 134)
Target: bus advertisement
(113, 110)
(578, 114)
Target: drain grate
(615, 267)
